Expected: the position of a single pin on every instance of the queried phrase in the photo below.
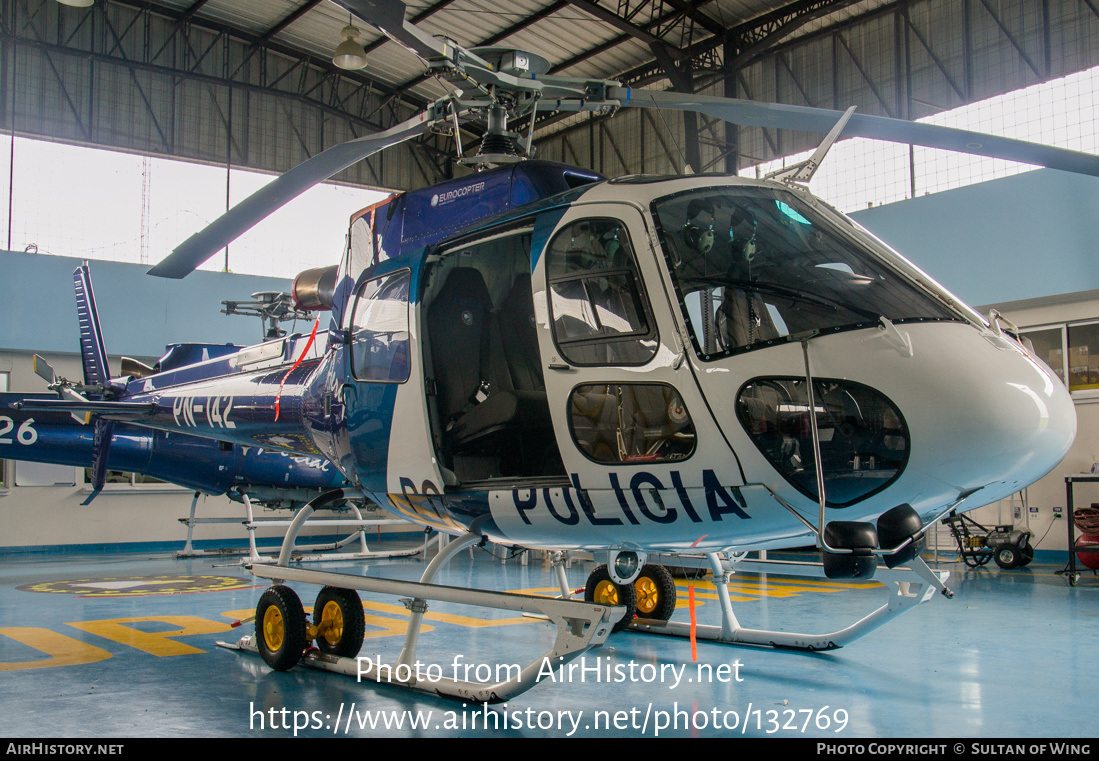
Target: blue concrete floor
(1009, 656)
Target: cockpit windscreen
(754, 265)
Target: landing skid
(302, 554)
(905, 588)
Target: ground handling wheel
(280, 628)
(338, 622)
(603, 590)
(655, 593)
(1007, 556)
(1010, 547)
(1026, 553)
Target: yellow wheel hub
(331, 625)
(606, 593)
(648, 596)
(274, 630)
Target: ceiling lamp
(349, 54)
(77, 3)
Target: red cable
(309, 343)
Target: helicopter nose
(952, 410)
(1002, 420)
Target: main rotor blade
(784, 116)
(280, 191)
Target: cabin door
(644, 459)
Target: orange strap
(694, 623)
(308, 345)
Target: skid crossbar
(580, 627)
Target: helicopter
(645, 367)
(247, 475)
(204, 465)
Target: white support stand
(580, 625)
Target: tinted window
(864, 441)
(379, 329)
(600, 316)
(631, 423)
(754, 265)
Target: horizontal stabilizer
(113, 410)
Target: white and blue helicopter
(649, 368)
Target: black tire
(343, 609)
(280, 628)
(1007, 556)
(656, 593)
(602, 589)
(1026, 555)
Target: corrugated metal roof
(566, 35)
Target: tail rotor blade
(43, 370)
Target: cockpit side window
(379, 329)
(754, 265)
(600, 314)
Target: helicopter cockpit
(753, 266)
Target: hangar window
(1049, 346)
(29, 473)
(120, 480)
(1072, 351)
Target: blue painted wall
(140, 314)
(1029, 236)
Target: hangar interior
(251, 85)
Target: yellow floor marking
(812, 582)
(448, 618)
(753, 587)
(391, 627)
(160, 644)
(63, 651)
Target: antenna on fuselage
(803, 171)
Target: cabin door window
(379, 330)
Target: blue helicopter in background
(276, 479)
(252, 476)
(653, 369)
